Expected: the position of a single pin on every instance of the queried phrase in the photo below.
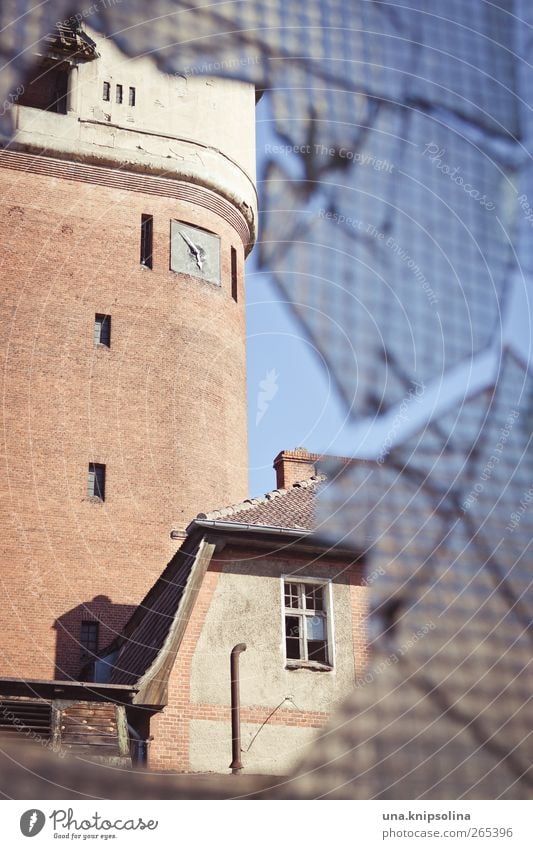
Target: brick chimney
(293, 466)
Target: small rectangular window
(131, 99)
(119, 94)
(147, 236)
(234, 281)
(102, 330)
(306, 625)
(96, 481)
(106, 93)
(89, 638)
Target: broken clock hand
(196, 252)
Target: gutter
(240, 527)
(292, 535)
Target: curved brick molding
(119, 179)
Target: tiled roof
(281, 508)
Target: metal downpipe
(236, 763)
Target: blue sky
(301, 408)
(299, 405)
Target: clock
(195, 252)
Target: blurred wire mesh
(396, 222)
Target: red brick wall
(299, 464)
(169, 749)
(359, 603)
(294, 466)
(164, 408)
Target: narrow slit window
(147, 238)
(131, 97)
(106, 91)
(119, 93)
(234, 281)
(96, 481)
(89, 638)
(102, 330)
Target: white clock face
(195, 252)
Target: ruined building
(128, 205)
(128, 208)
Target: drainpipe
(236, 763)
(141, 746)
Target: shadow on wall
(84, 631)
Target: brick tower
(127, 209)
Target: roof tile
(281, 508)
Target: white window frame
(293, 663)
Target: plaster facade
(247, 607)
(273, 748)
(281, 709)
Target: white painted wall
(273, 751)
(196, 128)
(246, 607)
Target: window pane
(99, 482)
(89, 637)
(234, 279)
(102, 330)
(314, 597)
(316, 629)
(292, 634)
(96, 481)
(316, 650)
(291, 595)
(293, 649)
(147, 237)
